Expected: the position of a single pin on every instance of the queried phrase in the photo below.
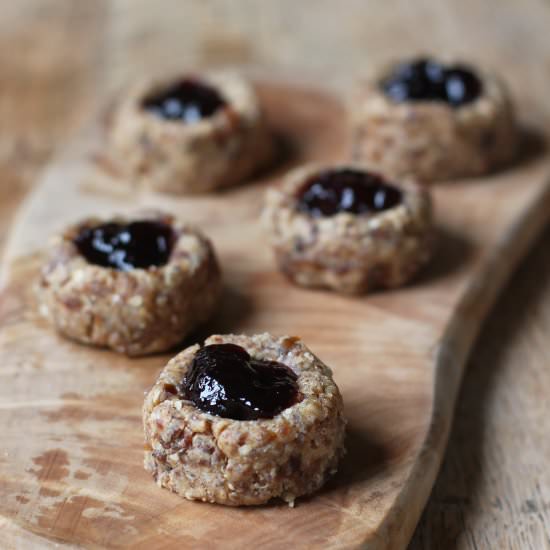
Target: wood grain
(59, 57)
(76, 474)
(493, 488)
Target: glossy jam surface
(224, 380)
(187, 101)
(140, 244)
(346, 190)
(428, 80)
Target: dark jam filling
(428, 80)
(346, 190)
(224, 380)
(187, 101)
(139, 244)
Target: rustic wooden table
(60, 59)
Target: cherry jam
(346, 190)
(428, 80)
(225, 381)
(139, 244)
(187, 101)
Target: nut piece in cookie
(190, 135)
(242, 420)
(348, 229)
(433, 121)
(136, 284)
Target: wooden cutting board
(70, 422)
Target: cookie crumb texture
(205, 457)
(136, 312)
(179, 157)
(349, 253)
(433, 140)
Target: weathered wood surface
(59, 58)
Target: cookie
(348, 229)
(433, 122)
(135, 284)
(243, 420)
(193, 134)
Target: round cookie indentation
(226, 381)
(346, 190)
(428, 80)
(139, 244)
(188, 101)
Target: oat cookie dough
(135, 284)
(242, 420)
(433, 121)
(190, 134)
(348, 229)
